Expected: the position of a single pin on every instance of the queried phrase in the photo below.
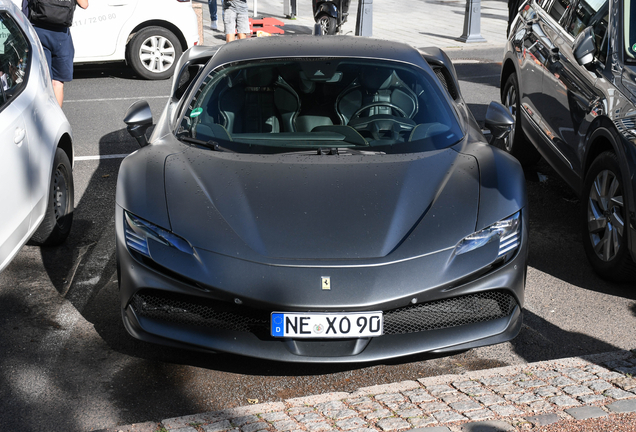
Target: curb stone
(492, 400)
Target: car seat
(378, 90)
(258, 100)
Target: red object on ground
(267, 25)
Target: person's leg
(58, 89)
(229, 19)
(243, 23)
(213, 9)
(213, 14)
(62, 64)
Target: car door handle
(19, 135)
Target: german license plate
(326, 325)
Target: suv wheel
(56, 225)
(153, 53)
(604, 216)
(516, 143)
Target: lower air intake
(451, 312)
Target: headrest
(377, 78)
(306, 85)
(260, 77)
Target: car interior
(321, 104)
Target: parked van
(150, 35)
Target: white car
(36, 148)
(150, 35)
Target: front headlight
(507, 232)
(138, 231)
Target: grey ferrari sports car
(307, 199)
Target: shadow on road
(104, 70)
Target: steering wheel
(397, 109)
(379, 123)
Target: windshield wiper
(212, 145)
(324, 151)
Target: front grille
(452, 312)
(184, 309)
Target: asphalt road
(67, 364)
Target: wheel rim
(510, 101)
(157, 54)
(60, 194)
(324, 24)
(605, 215)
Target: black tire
(328, 23)
(153, 53)
(56, 225)
(605, 221)
(516, 142)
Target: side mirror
(139, 119)
(584, 47)
(499, 121)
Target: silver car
(36, 150)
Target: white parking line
(116, 99)
(113, 156)
(466, 78)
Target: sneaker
(214, 25)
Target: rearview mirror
(139, 119)
(499, 121)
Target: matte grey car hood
(327, 207)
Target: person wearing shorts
(59, 50)
(236, 19)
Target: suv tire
(604, 220)
(516, 142)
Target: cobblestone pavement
(502, 399)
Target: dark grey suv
(569, 80)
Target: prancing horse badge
(326, 282)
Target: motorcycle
(330, 14)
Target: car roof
(317, 46)
(8, 5)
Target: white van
(150, 35)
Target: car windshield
(630, 29)
(324, 105)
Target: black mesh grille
(446, 81)
(183, 309)
(452, 312)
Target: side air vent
(447, 81)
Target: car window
(321, 104)
(630, 29)
(588, 13)
(14, 59)
(600, 34)
(557, 9)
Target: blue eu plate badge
(277, 324)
